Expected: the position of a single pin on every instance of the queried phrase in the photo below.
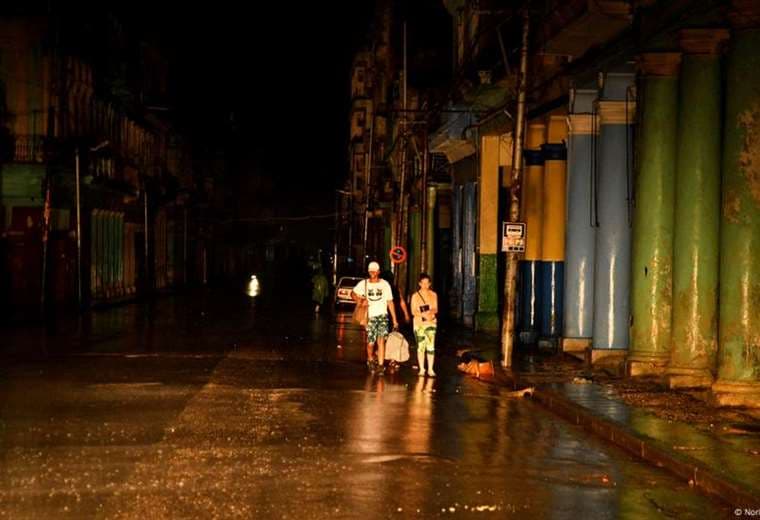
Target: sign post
(513, 237)
(398, 254)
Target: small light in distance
(253, 289)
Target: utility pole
(184, 246)
(78, 202)
(368, 178)
(148, 285)
(336, 237)
(423, 205)
(401, 281)
(510, 278)
(403, 86)
(335, 242)
(55, 117)
(397, 233)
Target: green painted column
(739, 312)
(697, 222)
(487, 319)
(652, 242)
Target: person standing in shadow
(319, 289)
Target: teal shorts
(377, 327)
(425, 335)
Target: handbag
(396, 347)
(425, 307)
(361, 310)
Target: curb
(699, 475)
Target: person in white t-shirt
(379, 296)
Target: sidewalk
(716, 450)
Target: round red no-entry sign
(398, 254)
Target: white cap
(373, 266)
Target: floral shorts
(425, 335)
(377, 327)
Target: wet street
(218, 404)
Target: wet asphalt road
(218, 405)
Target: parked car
(343, 290)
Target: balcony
(450, 139)
(29, 149)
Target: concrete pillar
(739, 334)
(532, 211)
(652, 240)
(553, 228)
(487, 318)
(613, 237)
(696, 247)
(580, 244)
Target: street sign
(513, 237)
(398, 254)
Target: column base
(736, 394)
(576, 347)
(528, 337)
(607, 356)
(688, 378)
(487, 321)
(548, 344)
(642, 365)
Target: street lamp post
(338, 214)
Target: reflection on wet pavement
(271, 414)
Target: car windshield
(349, 282)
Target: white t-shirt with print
(378, 295)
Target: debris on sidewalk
(477, 368)
(479, 360)
(520, 393)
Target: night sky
(282, 69)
